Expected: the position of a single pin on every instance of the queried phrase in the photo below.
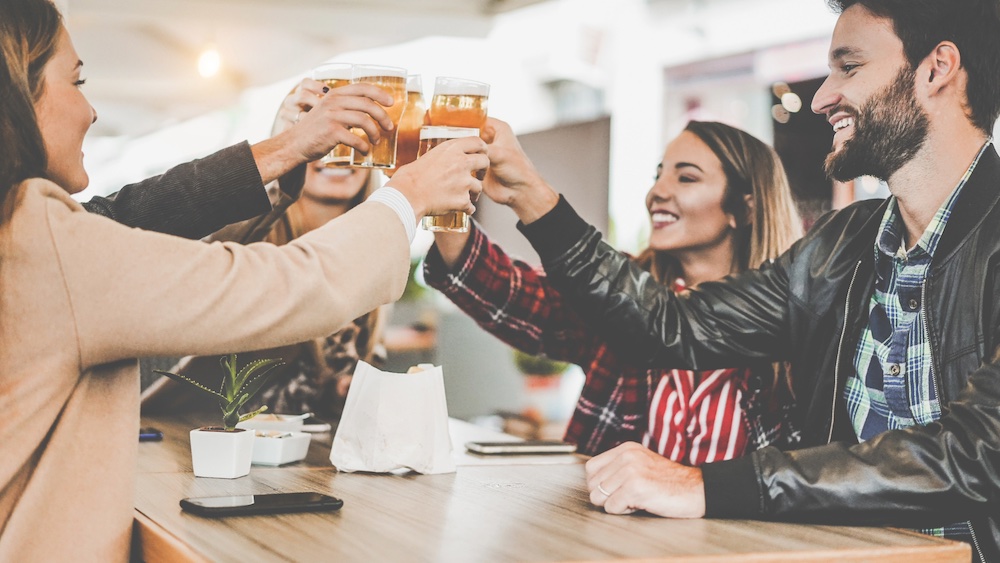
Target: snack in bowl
(280, 422)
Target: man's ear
(943, 64)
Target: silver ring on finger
(298, 116)
(603, 492)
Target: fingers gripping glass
(430, 137)
(335, 75)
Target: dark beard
(889, 130)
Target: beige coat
(82, 296)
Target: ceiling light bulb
(209, 63)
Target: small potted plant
(225, 451)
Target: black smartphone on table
(522, 447)
(272, 503)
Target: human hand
(443, 179)
(310, 123)
(630, 477)
(316, 121)
(450, 246)
(512, 179)
(301, 99)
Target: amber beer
(335, 75)
(408, 138)
(459, 103)
(392, 80)
(430, 137)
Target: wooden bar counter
(497, 509)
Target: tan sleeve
(136, 293)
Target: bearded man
(888, 311)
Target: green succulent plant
(238, 386)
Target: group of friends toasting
(735, 367)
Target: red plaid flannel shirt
(514, 301)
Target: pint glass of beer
(392, 80)
(459, 103)
(430, 137)
(335, 75)
(410, 123)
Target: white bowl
(279, 451)
(268, 421)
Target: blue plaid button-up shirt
(893, 385)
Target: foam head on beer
(334, 75)
(458, 102)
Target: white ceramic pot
(221, 454)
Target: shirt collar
(890, 240)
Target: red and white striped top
(697, 417)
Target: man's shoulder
(858, 220)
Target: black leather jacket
(794, 310)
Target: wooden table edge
(156, 544)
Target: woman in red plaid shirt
(720, 204)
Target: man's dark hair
(972, 25)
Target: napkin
(394, 421)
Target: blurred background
(593, 88)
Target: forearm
(450, 246)
(276, 157)
(923, 476)
(193, 199)
(510, 300)
(720, 324)
(533, 203)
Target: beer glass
(430, 137)
(392, 80)
(459, 103)
(410, 123)
(335, 75)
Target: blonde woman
(720, 205)
(317, 373)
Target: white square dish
(268, 450)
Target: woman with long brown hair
(720, 204)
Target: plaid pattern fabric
(892, 386)
(514, 302)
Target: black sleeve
(191, 200)
(732, 322)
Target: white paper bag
(394, 421)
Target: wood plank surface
(519, 512)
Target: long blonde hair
(751, 167)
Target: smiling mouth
(843, 124)
(662, 219)
(335, 172)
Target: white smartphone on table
(522, 447)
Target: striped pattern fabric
(696, 417)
